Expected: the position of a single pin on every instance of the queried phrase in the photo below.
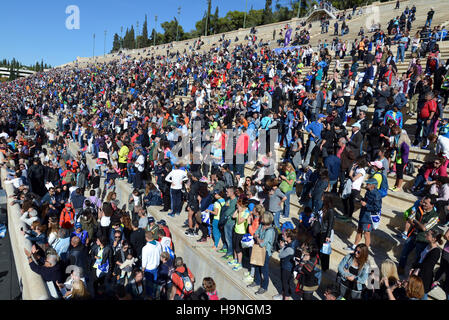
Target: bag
(375, 219)
(347, 189)
(408, 212)
(410, 169)
(187, 285)
(326, 248)
(247, 241)
(258, 255)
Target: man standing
(176, 177)
(371, 206)
(229, 223)
(421, 220)
(151, 255)
(429, 17)
(426, 115)
(314, 129)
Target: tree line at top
(233, 20)
(14, 66)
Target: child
(127, 267)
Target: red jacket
(432, 172)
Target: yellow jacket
(123, 154)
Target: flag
(288, 36)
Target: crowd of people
(125, 114)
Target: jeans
(400, 54)
(151, 280)
(312, 145)
(216, 233)
(176, 200)
(262, 271)
(286, 211)
(229, 226)
(332, 183)
(428, 21)
(277, 216)
(408, 247)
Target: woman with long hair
(353, 272)
(414, 288)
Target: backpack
(383, 190)
(410, 169)
(187, 285)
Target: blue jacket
(315, 127)
(333, 164)
(362, 276)
(373, 206)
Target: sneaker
(232, 262)
(252, 285)
(394, 189)
(171, 215)
(222, 250)
(189, 233)
(202, 240)
(247, 273)
(237, 267)
(196, 232)
(248, 279)
(404, 235)
(227, 257)
(278, 297)
(261, 291)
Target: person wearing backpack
(183, 281)
(264, 237)
(382, 181)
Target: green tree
(267, 12)
(170, 31)
(214, 22)
(116, 43)
(144, 40)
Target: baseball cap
(162, 222)
(356, 125)
(151, 220)
(371, 181)
(377, 164)
(321, 116)
(78, 225)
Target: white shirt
(139, 163)
(176, 177)
(357, 184)
(443, 146)
(151, 255)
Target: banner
(288, 36)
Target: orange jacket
(67, 217)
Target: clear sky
(35, 30)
